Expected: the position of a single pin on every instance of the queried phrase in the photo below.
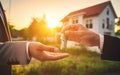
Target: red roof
(91, 11)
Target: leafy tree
(14, 32)
(58, 29)
(118, 32)
(118, 22)
(118, 25)
(38, 28)
(24, 33)
(33, 28)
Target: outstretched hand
(45, 53)
(81, 34)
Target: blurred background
(40, 20)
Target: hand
(44, 53)
(81, 34)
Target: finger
(73, 27)
(90, 40)
(48, 48)
(81, 27)
(41, 47)
(69, 27)
(78, 36)
(74, 33)
(64, 28)
(58, 56)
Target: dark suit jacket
(10, 52)
(111, 48)
(13, 53)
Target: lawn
(80, 62)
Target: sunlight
(52, 22)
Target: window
(107, 21)
(86, 23)
(89, 23)
(107, 12)
(75, 21)
(103, 24)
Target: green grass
(80, 62)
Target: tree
(24, 33)
(14, 32)
(118, 22)
(38, 28)
(118, 27)
(33, 28)
(118, 32)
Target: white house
(98, 18)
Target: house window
(89, 24)
(75, 21)
(107, 21)
(86, 23)
(107, 12)
(103, 24)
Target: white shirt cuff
(101, 41)
(27, 45)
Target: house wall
(103, 19)
(97, 21)
(65, 23)
(74, 19)
(80, 20)
(94, 23)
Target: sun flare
(52, 23)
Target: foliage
(58, 29)
(118, 32)
(24, 33)
(14, 32)
(38, 28)
(118, 26)
(81, 62)
(118, 22)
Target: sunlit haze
(20, 12)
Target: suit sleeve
(111, 48)
(13, 53)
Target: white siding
(70, 21)
(80, 19)
(104, 16)
(97, 21)
(74, 18)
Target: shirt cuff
(27, 45)
(101, 41)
